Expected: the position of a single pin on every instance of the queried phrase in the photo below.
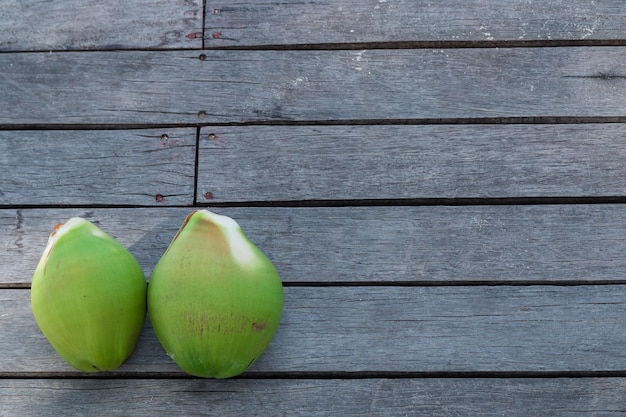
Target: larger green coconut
(214, 299)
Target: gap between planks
(455, 283)
(330, 203)
(351, 46)
(338, 122)
(338, 375)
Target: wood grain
(368, 244)
(141, 167)
(240, 23)
(392, 329)
(80, 24)
(263, 163)
(132, 87)
(371, 397)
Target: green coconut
(214, 299)
(88, 297)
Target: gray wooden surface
(241, 23)
(399, 161)
(79, 24)
(99, 24)
(440, 185)
(156, 87)
(396, 329)
(146, 167)
(362, 245)
(362, 397)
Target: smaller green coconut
(214, 299)
(88, 297)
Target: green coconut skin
(214, 299)
(88, 296)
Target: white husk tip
(240, 246)
(60, 230)
(69, 225)
(224, 221)
(72, 224)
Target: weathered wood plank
(238, 86)
(371, 397)
(362, 244)
(379, 329)
(264, 163)
(240, 23)
(97, 167)
(81, 24)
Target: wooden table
(441, 186)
